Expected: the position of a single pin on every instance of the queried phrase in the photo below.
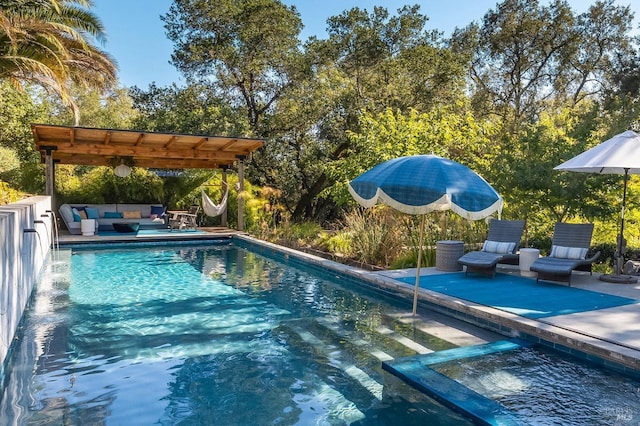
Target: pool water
(219, 335)
(546, 389)
(198, 335)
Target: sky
(136, 36)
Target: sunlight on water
(190, 334)
(543, 388)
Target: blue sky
(136, 36)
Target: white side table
(527, 257)
(88, 227)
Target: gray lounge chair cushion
(555, 265)
(483, 259)
(499, 247)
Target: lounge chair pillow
(113, 215)
(92, 213)
(568, 252)
(498, 247)
(76, 215)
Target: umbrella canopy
(618, 155)
(423, 183)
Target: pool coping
(580, 343)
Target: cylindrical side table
(447, 254)
(88, 227)
(527, 257)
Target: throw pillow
(92, 213)
(112, 215)
(83, 214)
(498, 247)
(131, 215)
(568, 252)
(159, 211)
(76, 215)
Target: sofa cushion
(92, 213)
(112, 215)
(158, 210)
(131, 215)
(76, 215)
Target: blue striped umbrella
(420, 184)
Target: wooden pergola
(108, 147)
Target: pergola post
(241, 159)
(50, 174)
(223, 219)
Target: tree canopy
(511, 96)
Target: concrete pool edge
(579, 343)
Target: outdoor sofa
(147, 215)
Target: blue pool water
(208, 335)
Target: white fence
(26, 236)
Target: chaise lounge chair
(569, 249)
(503, 241)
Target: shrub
(375, 237)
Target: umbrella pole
(618, 266)
(420, 244)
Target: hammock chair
(210, 208)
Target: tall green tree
(52, 43)
(528, 55)
(196, 108)
(249, 49)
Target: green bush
(340, 243)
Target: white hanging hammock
(212, 209)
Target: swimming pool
(217, 334)
(207, 335)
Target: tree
(248, 49)
(371, 62)
(528, 55)
(50, 43)
(196, 109)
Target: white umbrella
(618, 155)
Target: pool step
(354, 339)
(334, 355)
(416, 372)
(455, 331)
(414, 346)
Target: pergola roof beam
(98, 147)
